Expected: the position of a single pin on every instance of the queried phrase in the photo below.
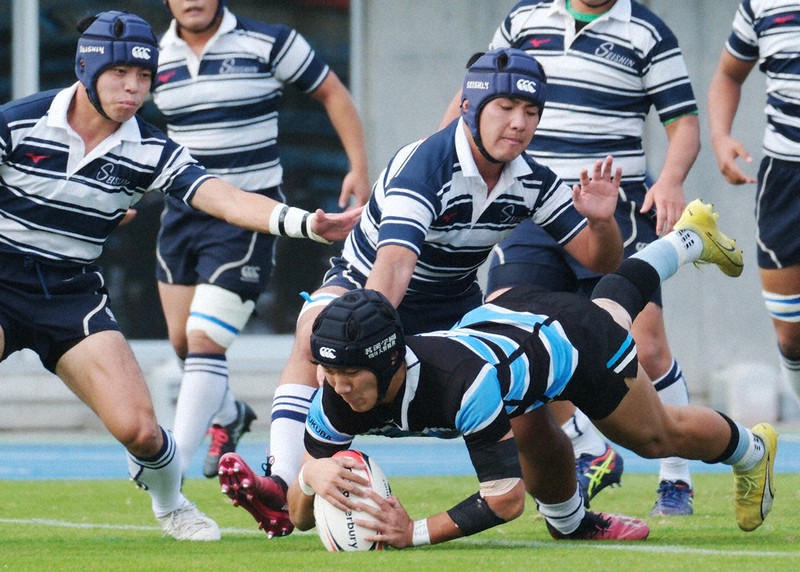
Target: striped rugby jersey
(601, 82)
(769, 31)
(461, 382)
(432, 200)
(59, 205)
(224, 106)
(500, 361)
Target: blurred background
(403, 61)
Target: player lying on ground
(499, 364)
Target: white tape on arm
(421, 536)
(307, 490)
(293, 223)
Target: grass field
(108, 526)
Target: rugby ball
(337, 528)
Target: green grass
(108, 526)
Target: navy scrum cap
(503, 72)
(111, 39)
(360, 329)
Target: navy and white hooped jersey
(432, 200)
(769, 31)
(60, 205)
(224, 106)
(601, 82)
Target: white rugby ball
(337, 528)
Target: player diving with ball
(486, 379)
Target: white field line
(618, 546)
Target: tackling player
(434, 215)
(72, 163)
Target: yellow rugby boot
(717, 248)
(754, 489)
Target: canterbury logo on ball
(328, 353)
(140, 52)
(526, 85)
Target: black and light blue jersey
(769, 31)
(500, 361)
(224, 105)
(601, 82)
(432, 200)
(59, 203)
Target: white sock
(203, 387)
(289, 411)
(160, 476)
(755, 452)
(565, 517)
(228, 411)
(672, 390)
(585, 438)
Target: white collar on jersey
(57, 117)
(171, 35)
(516, 168)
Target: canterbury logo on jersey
(526, 85)
(327, 353)
(140, 52)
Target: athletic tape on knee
(220, 313)
(785, 308)
(318, 301)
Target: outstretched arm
(599, 245)
(500, 499)
(262, 214)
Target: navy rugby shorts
(778, 213)
(49, 309)
(196, 248)
(418, 312)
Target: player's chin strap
(293, 223)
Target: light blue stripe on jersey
(769, 31)
(601, 82)
(320, 428)
(481, 404)
(623, 356)
(563, 355)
